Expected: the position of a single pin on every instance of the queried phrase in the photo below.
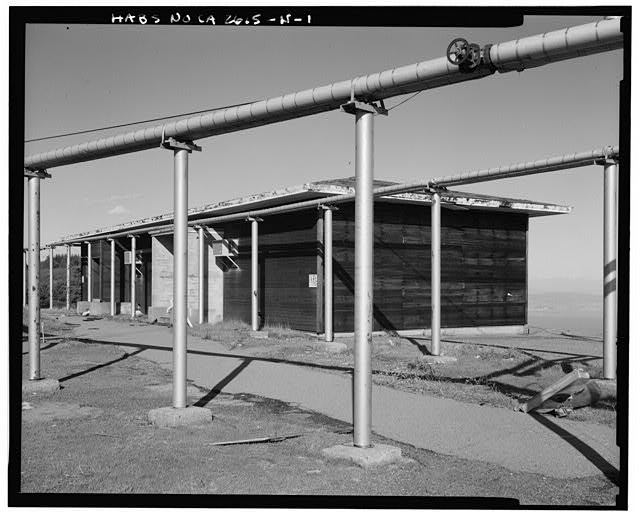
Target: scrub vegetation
(60, 281)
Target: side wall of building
(483, 268)
(162, 276)
(287, 268)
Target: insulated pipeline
(567, 161)
(573, 160)
(601, 36)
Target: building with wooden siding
(483, 251)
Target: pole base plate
(40, 386)
(376, 455)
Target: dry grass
(229, 333)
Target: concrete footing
(438, 359)
(330, 347)
(176, 417)
(376, 455)
(41, 386)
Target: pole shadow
(48, 347)
(99, 366)
(592, 455)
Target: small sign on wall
(313, 280)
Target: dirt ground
(93, 436)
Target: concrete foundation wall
(102, 308)
(162, 277)
(82, 306)
(506, 330)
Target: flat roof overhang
(454, 200)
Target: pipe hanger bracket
(608, 158)
(172, 143)
(353, 106)
(36, 173)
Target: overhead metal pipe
(567, 161)
(561, 162)
(255, 322)
(610, 246)
(133, 277)
(50, 277)
(34, 277)
(89, 272)
(180, 275)
(520, 54)
(201, 275)
(435, 273)
(68, 291)
(112, 286)
(328, 275)
(363, 306)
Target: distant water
(576, 313)
(590, 325)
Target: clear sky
(82, 77)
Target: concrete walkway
(531, 443)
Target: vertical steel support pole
(24, 278)
(180, 200)
(363, 280)
(89, 273)
(435, 273)
(50, 277)
(112, 293)
(254, 275)
(133, 276)
(610, 245)
(328, 275)
(34, 277)
(68, 277)
(201, 276)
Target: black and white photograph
(317, 257)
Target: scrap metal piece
(570, 379)
(269, 439)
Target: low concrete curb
(377, 455)
(40, 386)
(176, 417)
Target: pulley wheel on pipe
(458, 51)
